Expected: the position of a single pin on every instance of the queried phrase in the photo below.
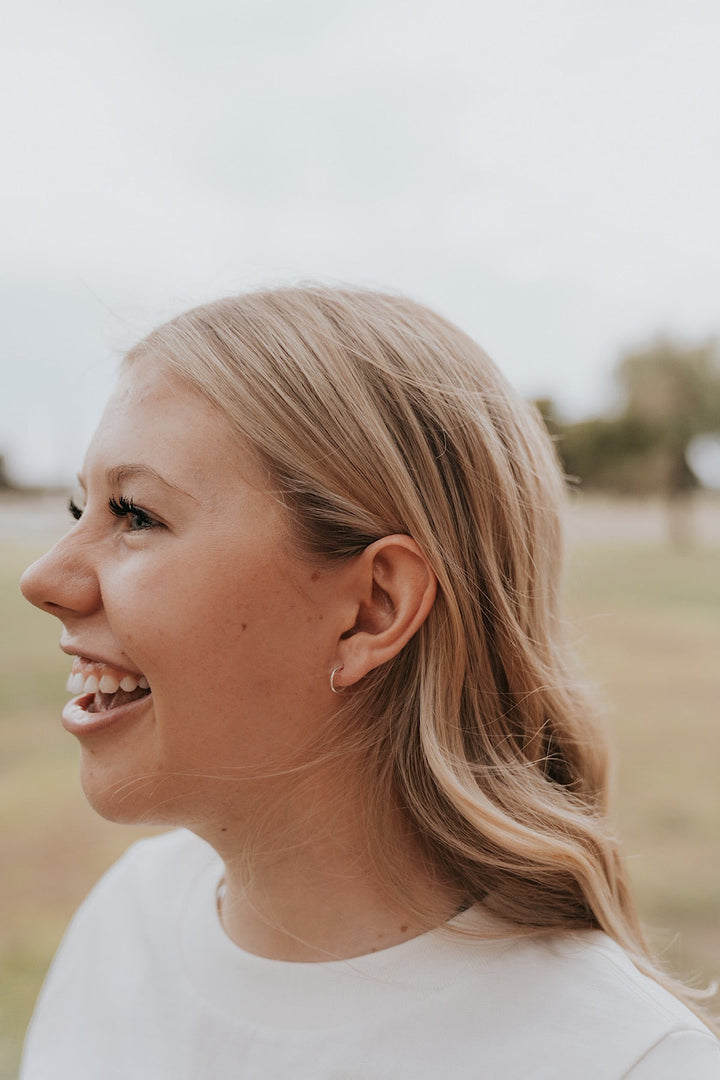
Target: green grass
(647, 624)
(648, 627)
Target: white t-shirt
(147, 986)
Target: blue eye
(137, 519)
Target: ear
(394, 589)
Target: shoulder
(143, 888)
(601, 975)
(580, 1000)
(119, 963)
(158, 859)
(593, 995)
(693, 1054)
(129, 922)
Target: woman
(311, 599)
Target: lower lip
(78, 721)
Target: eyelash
(121, 507)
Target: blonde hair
(375, 416)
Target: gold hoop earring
(333, 687)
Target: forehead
(156, 419)
(145, 381)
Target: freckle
(315, 575)
(244, 626)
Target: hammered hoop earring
(333, 687)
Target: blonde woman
(310, 599)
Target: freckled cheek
(203, 650)
(235, 627)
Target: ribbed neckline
(283, 994)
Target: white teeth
(76, 683)
(106, 683)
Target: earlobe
(396, 589)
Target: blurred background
(544, 175)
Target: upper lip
(93, 658)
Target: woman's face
(180, 574)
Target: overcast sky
(545, 174)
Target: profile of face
(202, 638)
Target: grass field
(647, 624)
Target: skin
(204, 592)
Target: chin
(133, 798)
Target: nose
(63, 582)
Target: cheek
(226, 637)
(234, 652)
(184, 607)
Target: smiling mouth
(105, 702)
(100, 688)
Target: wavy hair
(375, 416)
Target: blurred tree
(674, 394)
(670, 395)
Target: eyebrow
(120, 474)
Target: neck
(313, 893)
